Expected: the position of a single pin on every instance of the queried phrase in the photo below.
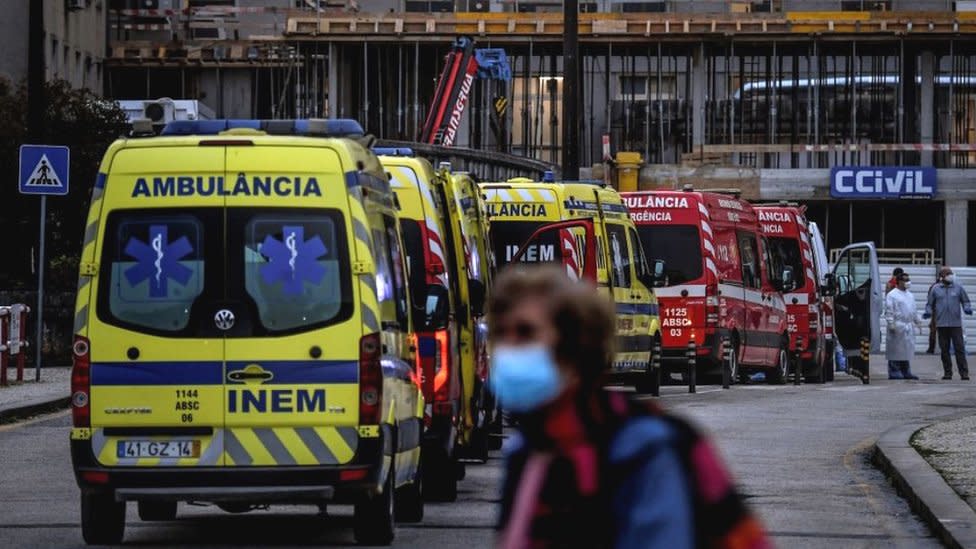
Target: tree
(80, 120)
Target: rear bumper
(708, 355)
(342, 483)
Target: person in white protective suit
(902, 318)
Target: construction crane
(463, 64)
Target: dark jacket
(946, 303)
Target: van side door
(752, 300)
(774, 306)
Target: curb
(950, 518)
(33, 408)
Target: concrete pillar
(333, 84)
(927, 103)
(956, 227)
(698, 96)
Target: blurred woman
(590, 468)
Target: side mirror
(438, 308)
(660, 273)
(476, 291)
(787, 284)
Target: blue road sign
(44, 169)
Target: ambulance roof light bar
(314, 127)
(393, 151)
(732, 192)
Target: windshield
(788, 252)
(678, 246)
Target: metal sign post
(43, 171)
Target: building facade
(767, 96)
(74, 41)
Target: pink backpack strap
(516, 533)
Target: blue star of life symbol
(293, 260)
(158, 261)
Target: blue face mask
(524, 377)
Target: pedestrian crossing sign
(44, 169)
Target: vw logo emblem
(224, 319)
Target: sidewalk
(950, 448)
(30, 397)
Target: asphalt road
(800, 454)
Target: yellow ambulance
(243, 329)
(586, 228)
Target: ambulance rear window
(156, 268)
(679, 246)
(291, 268)
(508, 236)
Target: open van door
(855, 284)
(573, 244)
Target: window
(774, 267)
(156, 269)
(292, 269)
(749, 254)
(416, 265)
(641, 266)
(390, 278)
(787, 253)
(619, 256)
(679, 246)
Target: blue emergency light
(314, 127)
(392, 151)
(548, 177)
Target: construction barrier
(13, 340)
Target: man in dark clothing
(932, 328)
(944, 303)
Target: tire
(374, 520)
(409, 500)
(778, 374)
(157, 510)
(440, 477)
(102, 519)
(649, 382)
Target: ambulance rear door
(292, 353)
(156, 355)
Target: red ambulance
(721, 282)
(807, 313)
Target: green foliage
(80, 120)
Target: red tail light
(370, 380)
(442, 375)
(711, 305)
(81, 382)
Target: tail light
(370, 380)
(81, 382)
(711, 305)
(442, 375)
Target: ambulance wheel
(778, 374)
(102, 519)
(373, 522)
(409, 500)
(157, 510)
(649, 381)
(829, 362)
(440, 477)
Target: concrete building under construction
(822, 101)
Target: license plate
(158, 448)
